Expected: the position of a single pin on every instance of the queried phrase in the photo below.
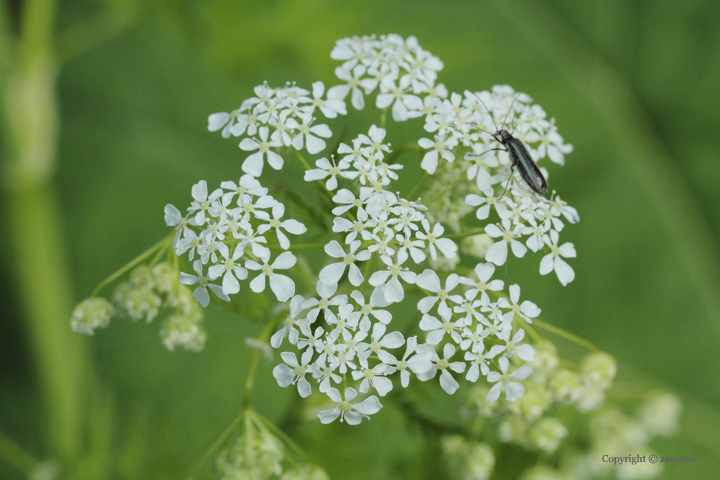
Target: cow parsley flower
(352, 413)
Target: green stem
(566, 335)
(417, 185)
(255, 362)
(216, 444)
(300, 246)
(464, 234)
(16, 456)
(531, 330)
(408, 147)
(244, 411)
(291, 443)
(130, 265)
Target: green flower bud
(547, 434)
(91, 314)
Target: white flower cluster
(282, 117)
(383, 243)
(464, 124)
(399, 68)
(392, 235)
(226, 229)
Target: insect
(519, 156)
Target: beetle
(519, 156)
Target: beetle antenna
(510, 109)
(489, 113)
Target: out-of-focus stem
(30, 130)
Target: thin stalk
(284, 436)
(417, 185)
(464, 234)
(300, 246)
(566, 335)
(130, 265)
(246, 410)
(255, 362)
(214, 445)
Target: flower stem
(566, 335)
(255, 362)
(300, 246)
(417, 185)
(216, 444)
(244, 411)
(133, 263)
(284, 436)
(464, 234)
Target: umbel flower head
(387, 253)
(383, 246)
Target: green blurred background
(634, 85)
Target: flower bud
(659, 415)
(90, 314)
(547, 434)
(476, 245)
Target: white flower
(254, 163)
(282, 286)
(441, 147)
(290, 225)
(430, 281)
(348, 412)
(527, 309)
(223, 120)
(190, 242)
(202, 201)
(484, 272)
(438, 329)
(355, 85)
(247, 185)
(446, 246)
(417, 359)
(513, 390)
(326, 292)
(332, 273)
(479, 362)
(289, 326)
(552, 260)
(480, 170)
(325, 169)
(324, 373)
(370, 308)
(447, 381)
(484, 204)
(295, 375)
(404, 105)
(393, 289)
(309, 134)
(331, 107)
(375, 378)
(230, 271)
(380, 341)
(497, 253)
(525, 351)
(200, 293)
